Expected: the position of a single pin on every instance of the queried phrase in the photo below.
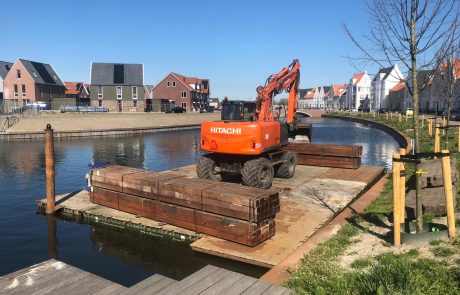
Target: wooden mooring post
(430, 128)
(448, 193)
(49, 159)
(396, 200)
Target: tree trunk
(446, 138)
(415, 97)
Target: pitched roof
(339, 89)
(5, 68)
(326, 89)
(400, 86)
(42, 73)
(74, 87)
(304, 92)
(311, 93)
(191, 80)
(357, 77)
(385, 71)
(117, 74)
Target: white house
(384, 80)
(318, 98)
(4, 69)
(358, 90)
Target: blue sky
(236, 44)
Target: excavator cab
(238, 110)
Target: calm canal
(125, 258)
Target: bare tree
(410, 32)
(446, 82)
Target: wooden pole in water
(396, 200)
(430, 127)
(49, 159)
(402, 193)
(448, 193)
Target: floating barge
(308, 201)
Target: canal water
(125, 258)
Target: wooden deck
(309, 200)
(55, 277)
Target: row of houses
(115, 86)
(386, 90)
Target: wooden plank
(189, 281)
(276, 290)
(257, 288)
(240, 286)
(206, 282)
(328, 161)
(137, 205)
(163, 284)
(146, 183)
(82, 285)
(143, 284)
(352, 151)
(105, 197)
(223, 284)
(111, 177)
(176, 215)
(112, 289)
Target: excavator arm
(286, 80)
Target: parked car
(176, 110)
(209, 109)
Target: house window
(100, 92)
(100, 102)
(119, 92)
(15, 90)
(135, 103)
(23, 90)
(183, 94)
(134, 92)
(174, 83)
(18, 74)
(168, 84)
(184, 105)
(198, 86)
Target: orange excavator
(248, 140)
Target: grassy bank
(433, 268)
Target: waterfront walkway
(55, 277)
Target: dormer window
(34, 74)
(18, 74)
(168, 84)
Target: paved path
(55, 277)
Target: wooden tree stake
(396, 200)
(448, 193)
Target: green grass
(406, 273)
(435, 242)
(443, 251)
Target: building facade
(30, 81)
(117, 86)
(189, 93)
(358, 90)
(4, 69)
(384, 80)
(396, 97)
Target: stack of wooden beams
(327, 155)
(241, 214)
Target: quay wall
(96, 133)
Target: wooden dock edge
(116, 224)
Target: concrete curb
(96, 133)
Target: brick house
(30, 81)
(118, 87)
(4, 69)
(79, 91)
(189, 93)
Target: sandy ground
(98, 121)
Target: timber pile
(241, 214)
(327, 155)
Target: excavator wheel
(206, 169)
(287, 168)
(258, 173)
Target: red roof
(191, 80)
(358, 78)
(310, 94)
(456, 66)
(339, 89)
(73, 87)
(399, 86)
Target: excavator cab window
(238, 111)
